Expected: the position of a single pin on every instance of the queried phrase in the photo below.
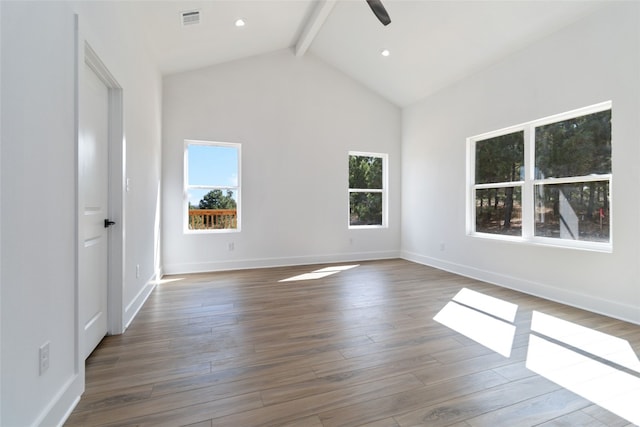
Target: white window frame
(187, 187)
(383, 190)
(529, 183)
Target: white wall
(296, 119)
(38, 208)
(594, 60)
(38, 193)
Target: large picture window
(212, 186)
(367, 189)
(545, 181)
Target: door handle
(108, 223)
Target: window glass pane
(499, 211)
(575, 147)
(576, 211)
(212, 209)
(365, 208)
(213, 165)
(365, 172)
(500, 159)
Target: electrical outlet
(43, 355)
(137, 271)
(232, 246)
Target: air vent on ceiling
(190, 17)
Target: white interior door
(94, 198)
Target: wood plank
(578, 418)
(376, 409)
(474, 404)
(276, 415)
(532, 411)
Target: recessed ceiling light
(385, 52)
(240, 22)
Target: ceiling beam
(313, 25)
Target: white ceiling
(432, 43)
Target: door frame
(116, 181)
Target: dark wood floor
(359, 347)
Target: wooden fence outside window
(213, 219)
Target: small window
(545, 181)
(212, 186)
(367, 190)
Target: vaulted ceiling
(431, 44)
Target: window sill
(217, 231)
(548, 242)
(367, 227)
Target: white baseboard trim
(132, 309)
(626, 312)
(244, 264)
(61, 406)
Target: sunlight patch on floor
(604, 385)
(320, 273)
(598, 343)
(477, 319)
(494, 306)
(601, 368)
